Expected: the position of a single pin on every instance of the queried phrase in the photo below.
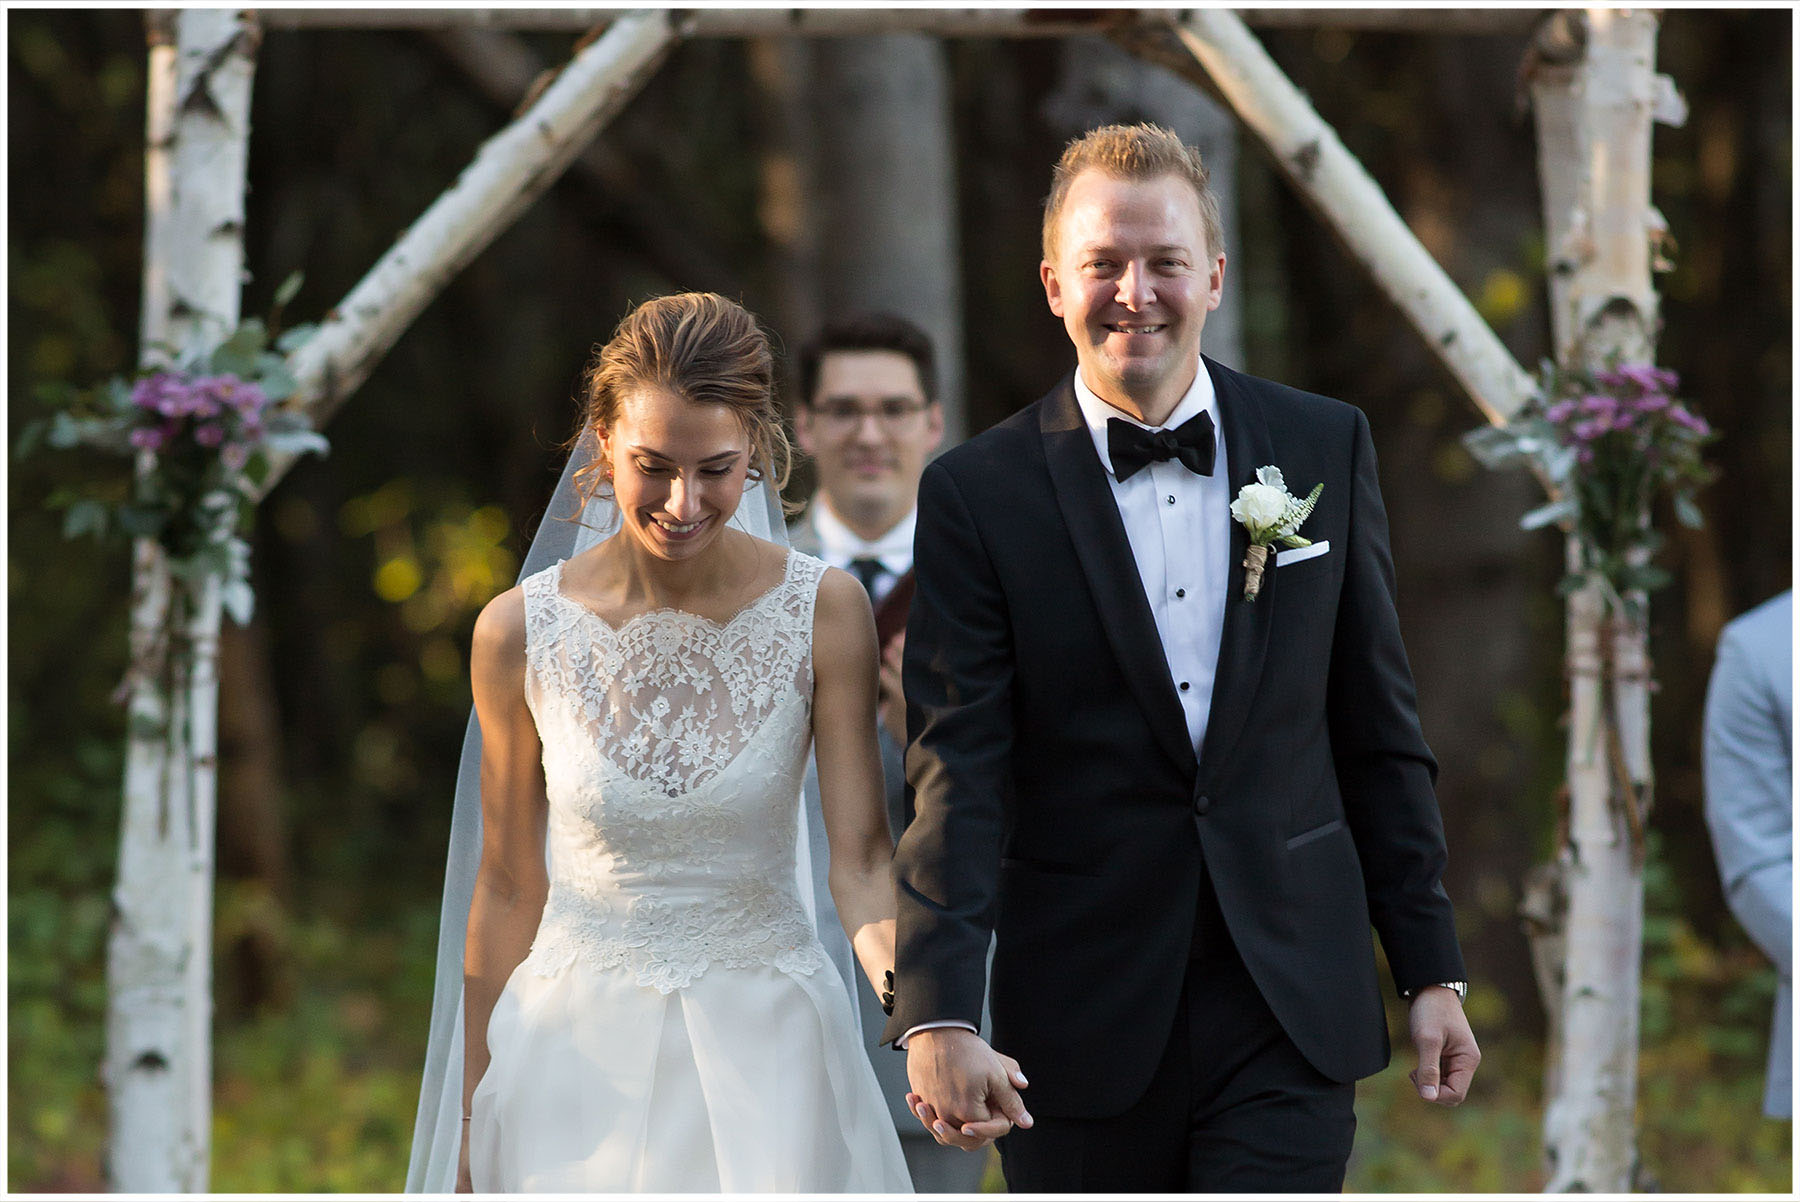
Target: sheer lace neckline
(761, 599)
(674, 748)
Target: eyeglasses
(892, 413)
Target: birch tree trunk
(161, 81)
(158, 1066)
(1594, 93)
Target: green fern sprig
(1297, 512)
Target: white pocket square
(1296, 554)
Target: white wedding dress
(677, 1025)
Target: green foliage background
(372, 564)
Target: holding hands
(963, 1091)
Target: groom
(1179, 810)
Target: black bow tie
(1134, 448)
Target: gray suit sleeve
(1747, 765)
(893, 773)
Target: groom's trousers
(1233, 1107)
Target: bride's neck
(655, 583)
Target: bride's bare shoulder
(770, 559)
(843, 624)
(498, 647)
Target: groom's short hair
(1132, 152)
(869, 332)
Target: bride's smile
(678, 470)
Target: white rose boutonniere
(1270, 514)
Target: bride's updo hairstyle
(700, 346)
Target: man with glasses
(869, 417)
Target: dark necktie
(868, 571)
(1133, 448)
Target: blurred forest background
(766, 170)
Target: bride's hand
(963, 1092)
(465, 1183)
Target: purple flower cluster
(1634, 401)
(219, 411)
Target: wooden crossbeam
(509, 171)
(506, 70)
(739, 23)
(1350, 202)
(1507, 22)
(852, 21)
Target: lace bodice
(674, 750)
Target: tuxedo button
(1181, 592)
(1202, 804)
(1170, 498)
(1184, 686)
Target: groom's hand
(1446, 1046)
(964, 1092)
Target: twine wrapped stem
(1254, 559)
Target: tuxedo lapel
(1245, 637)
(1092, 517)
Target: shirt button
(1170, 498)
(1184, 686)
(1181, 592)
(1202, 804)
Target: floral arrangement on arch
(1610, 442)
(200, 435)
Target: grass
(319, 1093)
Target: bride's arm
(510, 883)
(851, 790)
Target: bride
(652, 1009)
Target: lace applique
(682, 665)
(747, 924)
(674, 748)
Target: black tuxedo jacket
(1058, 800)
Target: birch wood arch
(1595, 95)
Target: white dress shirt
(1179, 527)
(838, 545)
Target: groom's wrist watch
(1461, 988)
